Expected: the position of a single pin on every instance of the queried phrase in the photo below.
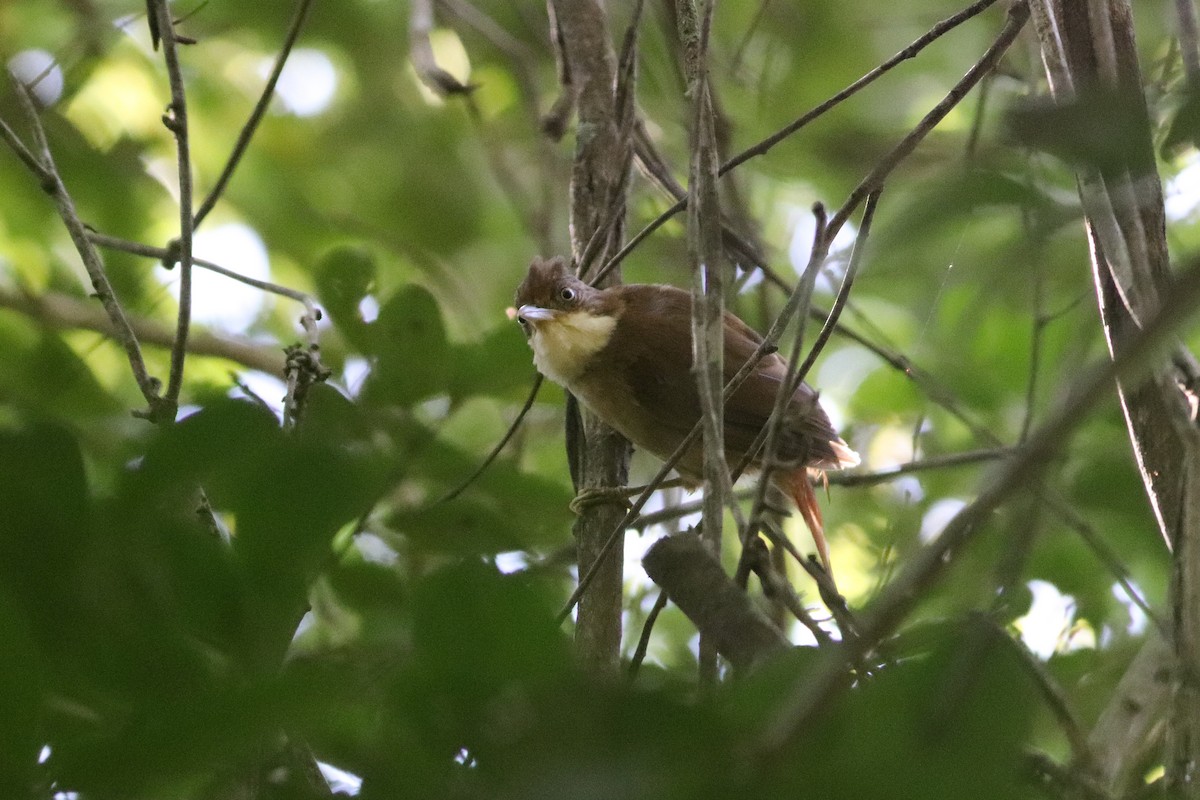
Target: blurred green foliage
(152, 581)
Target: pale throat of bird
(563, 346)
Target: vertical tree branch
(708, 281)
(176, 120)
(597, 179)
(1189, 40)
(1090, 56)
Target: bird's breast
(562, 347)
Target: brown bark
(599, 456)
(1089, 52)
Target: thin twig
(784, 394)
(260, 109)
(740, 51)
(1036, 335)
(1018, 14)
(639, 653)
(176, 120)
(828, 590)
(766, 144)
(708, 288)
(554, 122)
(420, 25)
(1105, 555)
(887, 474)
(44, 176)
(166, 256)
(1056, 699)
(764, 440)
(92, 262)
(843, 295)
(504, 440)
(775, 586)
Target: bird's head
(565, 320)
(549, 292)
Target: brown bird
(626, 353)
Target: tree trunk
(599, 456)
(1089, 52)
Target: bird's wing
(655, 361)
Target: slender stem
(1018, 14)
(176, 120)
(121, 329)
(260, 109)
(766, 144)
(166, 255)
(44, 176)
(783, 396)
(504, 440)
(843, 295)
(639, 654)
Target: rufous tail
(797, 485)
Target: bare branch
(420, 25)
(695, 581)
(121, 329)
(504, 440)
(933, 462)
(639, 653)
(167, 256)
(786, 390)
(708, 285)
(62, 311)
(1018, 14)
(260, 109)
(44, 176)
(176, 120)
(911, 51)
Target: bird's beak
(530, 313)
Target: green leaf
(499, 366)
(412, 362)
(344, 276)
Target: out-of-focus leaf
(21, 690)
(344, 276)
(504, 509)
(412, 361)
(885, 395)
(1101, 129)
(939, 722)
(39, 370)
(465, 526)
(499, 364)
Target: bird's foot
(600, 495)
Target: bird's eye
(566, 294)
(524, 323)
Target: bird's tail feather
(798, 487)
